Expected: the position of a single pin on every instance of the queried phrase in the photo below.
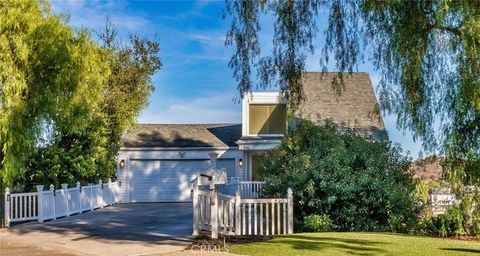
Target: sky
(195, 84)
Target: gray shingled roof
(183, 135)
(352, 106)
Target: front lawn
(357, 243)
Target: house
(158, 161)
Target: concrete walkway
(123, 229)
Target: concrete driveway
(123, 229)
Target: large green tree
(129, 86)
(70, 99)
(427, 53)
(51, 78)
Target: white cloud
(92, 14)
(215, 38)
(217, 108)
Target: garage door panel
(168, 180)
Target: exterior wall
(127, 154)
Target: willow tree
(427, 53)
(129, 86)
(66, 99)
(50, 76)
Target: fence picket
(261, 219)
(243, 220)
(267, 220)
(230, 211)
(284, 219)
(255, 218)
(34, 205)
(278, 218)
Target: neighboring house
(157, 162)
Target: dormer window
(264, 114)
(267, 119)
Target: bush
(317, 223)
(444, 225)
(460, 219)
(360, 183)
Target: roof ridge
(334, 72)
(188, 124)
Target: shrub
(360, 183)
(444, 225)
(317, 223)
(461, 219)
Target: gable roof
(352, 106)
(183, 135)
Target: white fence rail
(51, 204)
(234, 215)
(248, 189)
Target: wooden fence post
(7, 207)
(65, 195)
(214, 213)
(238, 228)
(196, 224)
(290, 210)
(40, 202)
(52, 189)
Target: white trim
(180, 154)
(257, 147)
(124, 149)
(259, 144)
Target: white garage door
(168, 180)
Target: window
(267, 119)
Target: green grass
(357, 243)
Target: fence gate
(233, 215)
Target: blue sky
(195, 84)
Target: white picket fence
(51, 204)
(234, 215)
(248, 189)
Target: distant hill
(428, 169)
